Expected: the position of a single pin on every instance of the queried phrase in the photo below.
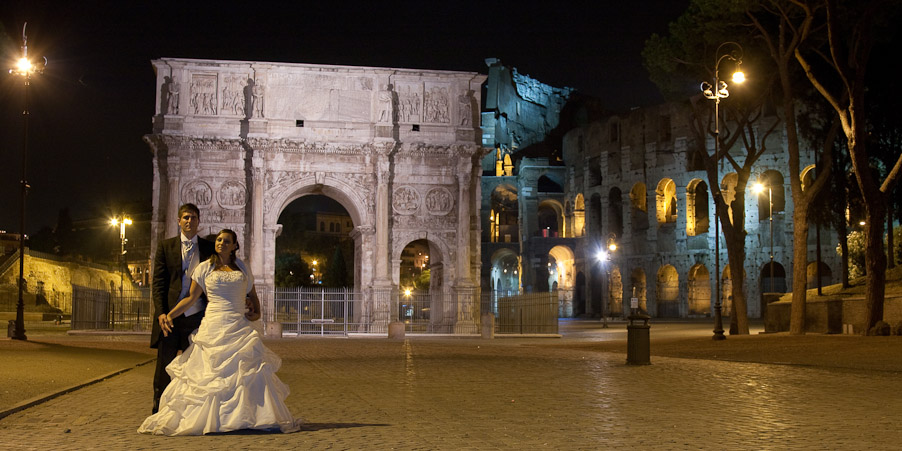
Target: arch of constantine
(397, 148)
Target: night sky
(96, 98)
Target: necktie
(189, 251)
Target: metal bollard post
(637, 340)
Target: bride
(224, 381)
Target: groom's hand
(250, 313)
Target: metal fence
(317, 311)
(104, 309)
(523, 313)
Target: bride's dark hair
(215, 257)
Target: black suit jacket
(167, 278)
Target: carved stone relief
(426, 222)
(436, 105)
(203, 94)
(405, 200)
(198, 193)
(258, 89)
(439, 201)
(232, 194)
(464, 109)
(233, 100)
(384, 105)
(409, 104)
(220, 216)
(170, 94)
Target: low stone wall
(830, 316)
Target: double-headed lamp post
(25, 69)
(605, 255)
(758, 188)
(121, 221)
(716, 92)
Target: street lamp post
(716, 92)
(25, 69)
(604, 256)
(759, 188)
(121, 221)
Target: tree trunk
(734, 237)
(799, 269)
(739, 319)
(875, 259)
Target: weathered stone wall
(56, 277)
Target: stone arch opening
(419, 273)
(561, 277)
(665, 202)
(337, 199)
(726, 290)
(826, 274)
(699, 290)
(667, 292)
(505, 271)
(504, 227)
(615, 292)
(638, 207)
(615, 212)
(638, 288)
(579, 295)
(595, 219)
(579, 216)
(772, 281)
(773, 195)
(697, 221)
(807, 176)
(550, 218)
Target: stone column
(383, 212)
(382, 295)
(364, 239)
(170, 214)
(257, 241)
(465, 290)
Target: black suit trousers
(169, 347)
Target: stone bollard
(396, 330)
(488, 325)
(637, 340)
(273, 330)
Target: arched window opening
(697, 221)
(639, 207)
(668, 292)
(504, 204)
(615, 212)
(665, 196)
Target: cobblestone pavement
(427, 393)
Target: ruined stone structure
(397, 148)
(52, 277)
(630, 180)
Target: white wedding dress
(225, 380)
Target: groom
(173, 263)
